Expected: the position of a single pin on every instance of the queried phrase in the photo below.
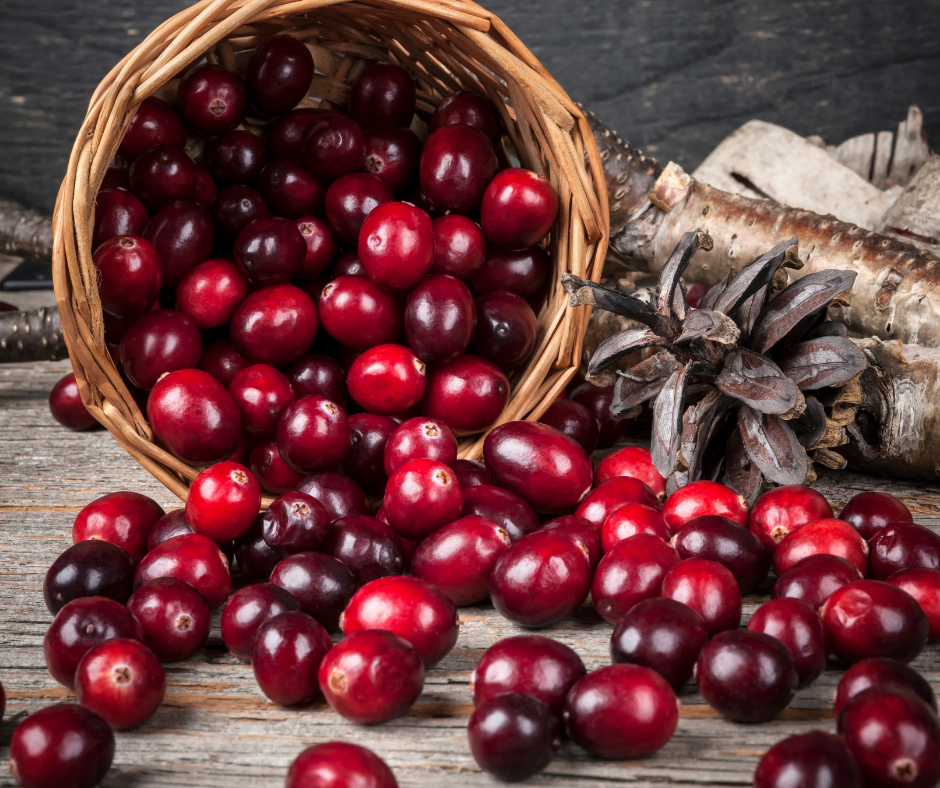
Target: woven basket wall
(446, 45)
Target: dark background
(672, 76)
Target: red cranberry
(869, 512)
(464, 108)
(814, 579)
(333, 146)
(392, 154)
(472, 474)
(350, 199)
(870, 618)
(273, 474)
(256, 560)
(903, 546)
(506, 333)
(291, 189)
(365, 546)
(369, 435)
(467, 393)
(924, 586)
(458, 559)
(125, 519)
(213, 99)
(884, 674)
(318, 375)
(440, 316)
(236, 157)
(321, 244)
(518, 209)
(66, 406)
(270, 251)
(384, 93)
(210, 293)
(581, 531)
(262, 394)
(162, 175)
(513, 736)
(92, 568)
(174, 616)
(339, 494)
(632, 519)
(162, 341)
(832, 537)
(154, 123)
(182, 234)
(709, 589)
(598, 400)
(602, 501)
(117, 212)
(631, 572)
(339, 764)
(894, 737)
(631, 461)
(573, 420)
(541, 579)
(247, 610)
(222, 361)
(386, 379)
(809, 760)
(205, 191)
(422, 496)
(358, 313)
(275, 325)
(322, 584)
(283, 137)
(234, 208)
(795, 624)
(172, 524)
(223, 501)
(660, 634)
(782, 510)
(313, 434)
(720, 539)
(704, 497)
(457, 164)
(396, 245)
(522, 272)
(459, 246)
(64, 744)
(420, 438)
(286, 654)
(279, 74)
(506, 509)
(193, 558)
(78, 627)
(621, 711)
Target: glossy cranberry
(598, 399)
(621, 711)
(173, 523)
(903, 546)
(573, 420)
(467, 393)
(313, 434)
(782, 510)
(247, 610)
(234, 208)
(358, 313)
(93, 568)
(869, 512)
(808, 760)
(464, 108)
(830, 537)
(193, 558)
(704, 497)
(386, 379)
(270, 251)
(396, 245)
(581, 531)
(518, 209)
(275, 325)
(363, 461)
(117, 212)
(506, 509)
(339, 764)
(321, 244)
(291, 189)
(709, 589)
(174, 616)
(333, 146)
(64, 744)
(347, 264)
(513, 736)
(279, 73)
(420, 438)
(440, 316)
(212, 99)
(884, 674)
(471, 473)
(210, 293)
(161, 341)
(236, 157)
(384, 93)
(457, 164)
(870, 618)
(522, 272)
(459, 247)
(162, 175)
(286, 653)
(125, 519)
(621, 491)
(256, 560)
(223, 501)
(262, 394)
(369, 548)
(222, 361)
(339, 494)
(320, 376)
(631, 461)
(66, 406)
(924, 586)
(631, 572)
(422, 496)
(392, 154)
(283, 137)
(154, 123)
(894, 737)
(182, 234)
(541, 579)
(630, 520)
(322, 584)
(719, 539)
(205, 191)
(81, 625)
(273, 474)
(506, 332)
(795, 624)
(814, 579)
(350, 199)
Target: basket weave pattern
(446, 45)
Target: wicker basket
(446, 45)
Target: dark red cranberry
(364, 547)
(518, 209)
(709, 589)
(581, 531)
(459, 247)
(117, 212)
(541, 579)
(808, 760)
(333, 146)
(598, 399)
(247, 610)
(871, 618)
(286, 653)
(633, 519)
(322, 584)
(115, 178)
(420, 438)
(339, 764)
(372, 676)
(313, 434)
(223, 501)
(174, 616)
(339, 494)
(869, 512)
(660, 634)
(193, 558)
(262, 394)
(422, 496)
(782, 510)
(64, 744)
(161, 341)
(321, 244)
(830, 537)
(275, 325)
(506, 509)
(513, 736)
(125, 519)
(704, 497)
(182, 233)
(320, 376)
(236, 157)
(92, 568)
(205, 191)
(631, 572)
(612, 495)
(392, 154)
(384, 93)
(396, 245)
(894, 737)
(467, 393)
(522, 272)
(883, 674)
(440, 316)
(172, 524)
(814, 579)
(284, 135)
(631, 461)
(66, 406)
(621, 711)
(457, 164)
(270, 251)
(924, 586)
(386, 379)
(279, 73)
(464, 108)
(358, 313)
(720, 539)
(369, 434)
(222, 361)
(213, 99)
(471, 473)
(350, 199)
(210, 293)
(162, 175)
(233, 209)
(291, 189)
(81, 625)
(570, 419)
(903, 546)
(795, 624)
(273, 474)
(348, 264)
(154, 123)
(256, 560)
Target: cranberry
(513, 736)
(366, 546)
(117, 212)
(660, 634)
(348, 264)
(522, 272)
(518, 209)
(162, 175)
(181, 233)
(174, 616)
(286, 653)
(720, 539)
(291, 189)
(66, 406)
(279, 73)
(384, 93)
(236, 157)
(831, 537)
(262, 394)
(704, 497)
(321, 245)
(162, 341)
(247, 610)
(457, 164)
(795, 624)
(506, 333)
(471, 473)
(350, 199)
(172, 524)
(581, 531)
(603, 501)
(115, 178)
(92, 568)
(339, 764)
(210, 293)
(386, 379)
(467, 393)
(541, 579)
(154, 123)
(422, 496)
(222, 361)
(294, 523)
(78, 627)
(275, 325)
(440, 316)
(869, 512)
(924, 586)
(459, 246)
(903, 546)
(125, 519)
(322, 584)
(573, 420)
(313, 434)
(506, 509)
(234, 208)
(193, 558)
(784, 509)
(870, 618)
(894, 737)
(464, 108)
(212, 99)
(64, 744)
(630, 520)
(396, 245)
(318, 375)
(621, 711)
(223, 501)
(339, 494)
(255, 559)
(809, 760)
(631, 461)
(392, 154)
(814, 579)
(205, 191)
(283, 137)
(333, 146)
(631, 572)
(358, 313)
(270, 251)
(420, 438)
(598, 400)
(364, 457)
(885, 674)
(709, 589)
(273, 474)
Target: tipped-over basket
(446, 45)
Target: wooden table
(216, 729)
